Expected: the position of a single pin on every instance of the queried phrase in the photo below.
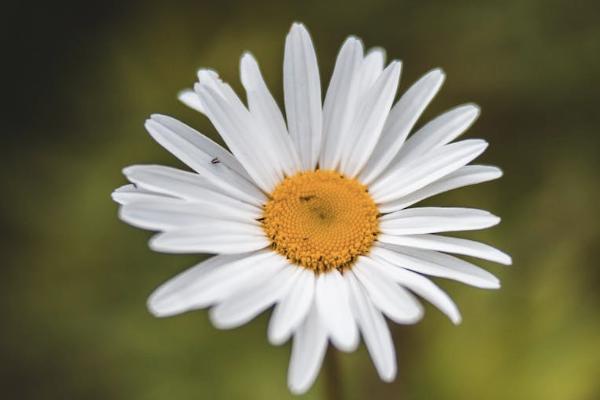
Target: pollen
(321, 220)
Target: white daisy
(309, 214)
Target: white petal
(167, 214)
(436, 219)
(239, 130)
(438, 132)
(393, 300)
(186, 185)
(449, 245)
(159, 214)
(371, 68)
(237, 125)
(200, 153)
(436, 264)
(464, 176)
(340, 101)
(168, 181)
(191, 99)
(180, 293)
(247, 303)
(402, 118)
(310, 343)
(302, 90)
(265, 109)
(129, 193)
(207, 148)
(426, 169)
(230, 274)
(211, 78)
(374, 330)
(292, 309)
(224, 237)
(334, 308)
(369, 120)
(421, 286)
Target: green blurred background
(81, 79)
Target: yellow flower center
(321, 220)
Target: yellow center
(321, 220)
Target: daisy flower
(311, 213)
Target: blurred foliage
(83, 77)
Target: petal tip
(396, 65)
(297, 25)
(128, 170)
(474, 108)
(183, 93)
(216, 320)
(437, 74)
(388, 376)
(297, 389)
(153, 304)
(155, 243)
(115, 195)
(276, 338)
(348, 345)
(247, 59)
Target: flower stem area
(333, 377)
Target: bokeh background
(83, 76)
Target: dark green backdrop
(81, 78)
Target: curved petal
(371, 115)
(240, 131)
(420, 220)
(226, 237)
(209, 150)
(371, 68)
(433, 263)
(393, 300)
(244, 305)
(438, 132)
(293, 307)
(169, 214)
(340, 101)
(333, 303)
(191, 99)
(374, 330)
(200, 285)
(200, 153)
(450, 245)
(426, 169)
(464, 176)
(302, 92)
(308, 350)
(421, 286)
(402, 118)
(265, 109)
(130, 193)
(184, 185)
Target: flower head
(311, 213)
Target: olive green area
(79, 81)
